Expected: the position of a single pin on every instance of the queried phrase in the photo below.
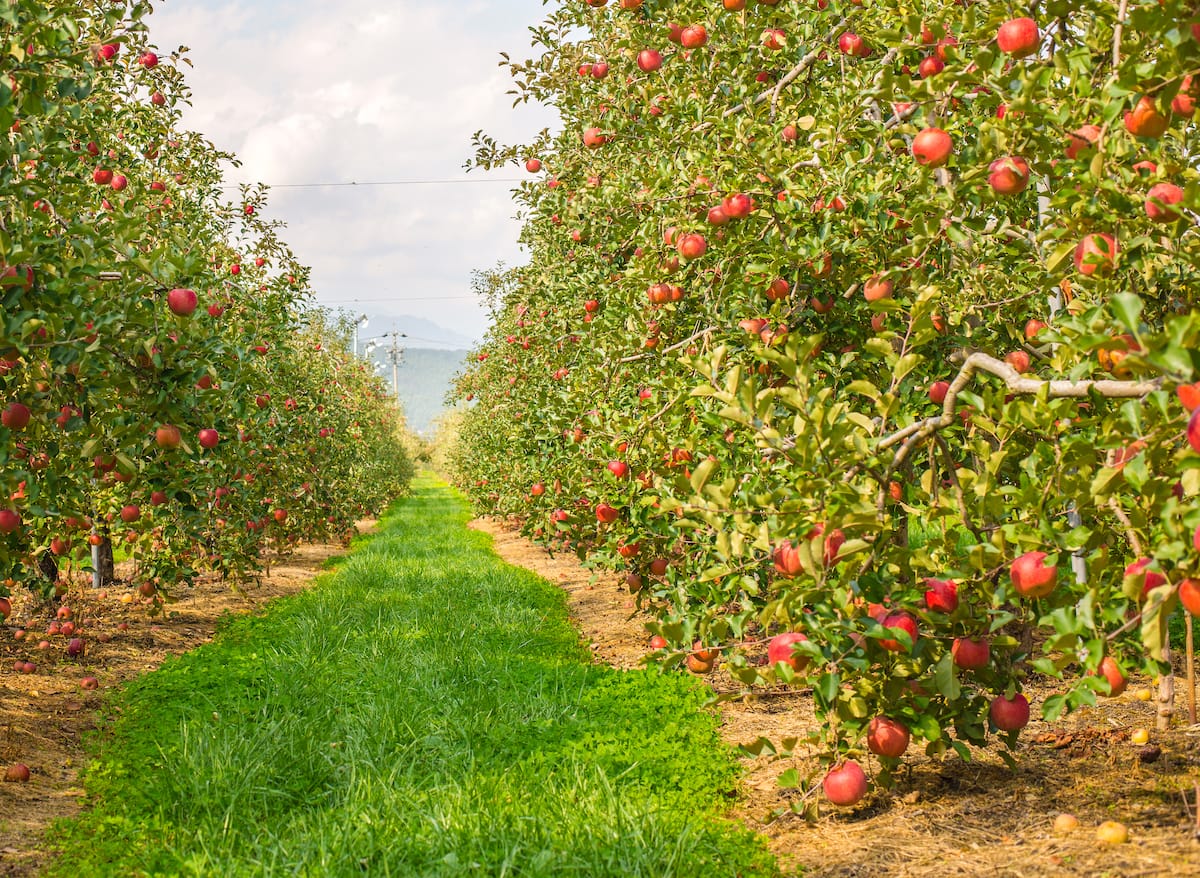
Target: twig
(962, 500)
(806, 62)
(1116, 55)
(1135, 542)
(691, 338)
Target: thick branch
(1017, 383)
(1121, 10)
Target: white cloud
(309, 91)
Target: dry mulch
(45, 715)
(946, 817)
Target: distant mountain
(424, 379)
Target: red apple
(941, 595)
(834, 541)
(9, 521)
(1189, 595)
(904, 622)
(618, 468)
(931, 65)
(693, 37)
(1082, 139)
(779, 649)
(1096, 253)
(887, 737)
(130, 513)
(692, 246)
(853, 45)
(1009, 715)
(877, 288)
(1032, 577)
(182, 302)
(1019, 360)
(787, 559)
(970, 653)
(1008, 175)
(16, 416)
(168, 436)
(593, 137)
(773, 38)
(717, 216)
(606, 514)
(208, 438)
(1144, 120)
(1151, 579)
(1111, 672)
(938, 391)
(17, 773)
(1161, 202)
(931, 147)
(649, 60)
(738, 205)
(1018, 37)
(845, 784)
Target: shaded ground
(947, 818)
(44, 715)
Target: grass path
(426, 710)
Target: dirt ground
(44, 715)
(947, 817)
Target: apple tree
(869, 326)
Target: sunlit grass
(426, 710)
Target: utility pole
(359, 323)
(396, 355)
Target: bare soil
(947, 817)
(45, 715)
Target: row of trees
(865, 331)
(164, 382)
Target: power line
(394, 299)
(379, 183)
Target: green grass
(426, 710)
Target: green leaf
(944, 678)
(1127, 308)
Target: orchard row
(164, 383)
(861, 337)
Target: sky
(312, 91)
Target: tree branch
(980, 362)
(691, 338)
(806, 62)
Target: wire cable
(366, 183)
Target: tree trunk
(105, 568)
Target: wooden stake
(1166, 695)
(1191, 679)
